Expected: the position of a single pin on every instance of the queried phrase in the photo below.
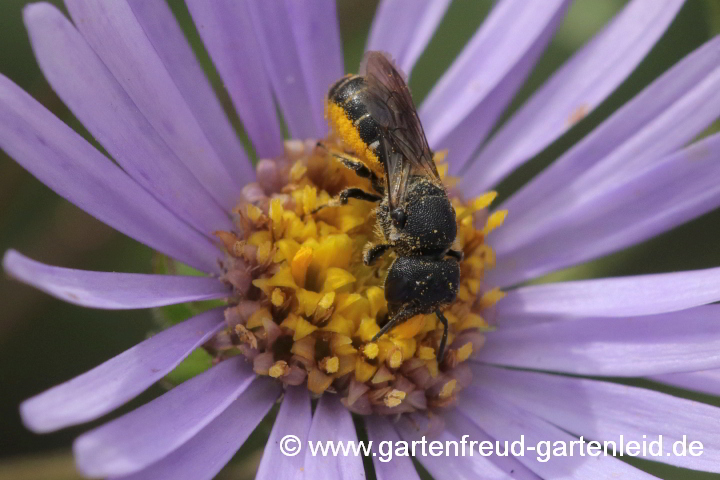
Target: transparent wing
(391, 105)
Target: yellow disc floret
(311, 307)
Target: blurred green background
(44, 341)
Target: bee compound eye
(400, 286)
(399, 217)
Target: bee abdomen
(345, 88)
(349, 117)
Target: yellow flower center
(307, 308)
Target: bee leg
(441, 349)
(359, 194)
(456, 254)
(347, 194)
(402, 315)
(362, 171)
(374, 252)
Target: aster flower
(299, 309)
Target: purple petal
(608, 411)
(317, 38)
(670, 192)
(205, 454)
(507, 423)
(132, 442)
(511, 468)
(459, 426)
(662, 118)
(87, 87)
(112, 290)
(464, 105)
(287, 36)
(575, 89)
(469, 466)
(294, 418)
(332, 422)
(107, 386)
(169, 42)
(65, 162)
(384, 440)
(626, 346)
(113, 31)
(614, 297)
(225, 28)
(403, 29)
(706, 381)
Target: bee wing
(404, 140)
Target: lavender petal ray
(169, 42)
(662, 118)
(227, 33)
(504, 421)
(204, 455)
(704, 381)
(274, 29)
(465, 467)
(112, 290)
(403, 29)
(147, 434)
(113, 31)
(605, 411)
(61, 159)
(317, 39)
(294, 418)
(118, 380)
(668, 193)
(575, 89)
(614, 297)
(88, 88)
(332, 422)
(488, 71)
(380, 431)
(680, 341)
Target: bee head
(422, 280)
(399, 217)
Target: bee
(375, 116)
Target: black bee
(374, 114)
